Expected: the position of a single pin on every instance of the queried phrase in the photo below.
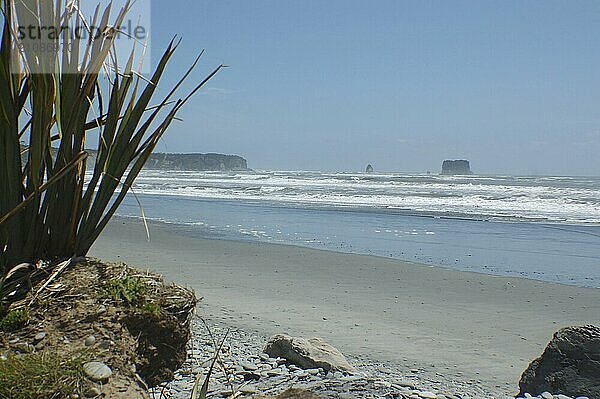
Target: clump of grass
(131, 290)
(151, 309)
(14, 320)
(41, 375)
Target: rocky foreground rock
(312, 353)
(570, 365)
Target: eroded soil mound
(129, 320)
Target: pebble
(97, 371)
(247, 390)
(427, 395)
(93, 392)
(39, 336)
(249, 366)
(104, 344)
(89, 341)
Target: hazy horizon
(513, 87)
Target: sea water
(544, 228)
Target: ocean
(544, 228)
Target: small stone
(89, 341)
(274, 373)
(249, 366)
(39, 336)
(249, 376)
(104, 344)
(226, 393)
(561, 396)
(427, 395)
(407, 384)
(301, 374)
(247, 390)
(312, 371)
(547, 395)
(93, 392)
(384, 384)
(97, 371)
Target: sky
(512, 86)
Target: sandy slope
(462, 325)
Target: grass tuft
(14, 320)
(131, 290)
(151, 309)
(41, 375)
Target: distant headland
(170, 161)
(201, 162)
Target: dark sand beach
(462, 325)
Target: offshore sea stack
(570, 365)
(456, 167)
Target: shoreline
(519, 250)
(462, 325)
(186, 229)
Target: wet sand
(435, 321)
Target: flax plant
(48, 106)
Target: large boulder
(307, 353)
(570, 365)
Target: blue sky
(513, 86)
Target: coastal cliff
(166, 161)
(196, 162)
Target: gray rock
(105, 344)
(89, 341)
(249, 366)
(547, 395)
(247, 390)
(93, 392)
(307, 353)
(39, 336)
(427, 395)
(570, 364)
(97, 371)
